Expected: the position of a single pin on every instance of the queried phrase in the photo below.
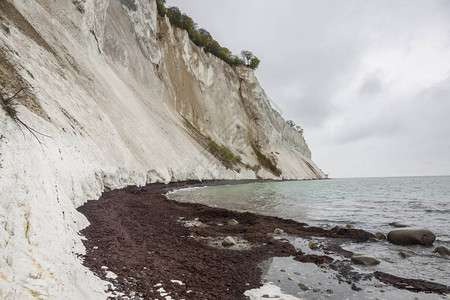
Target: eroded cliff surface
(122, 98)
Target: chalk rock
(228, 241)
(232, 222)
(398, 225)
(365, 259)
(110, 275)
(442, 250)
(411, 236)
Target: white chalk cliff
(125, 99)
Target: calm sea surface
(367, 203)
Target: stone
(312, 245)
(228, 241)
(110, 275)
(232, 222)
(380, 236)
(303, 287)
(373, 240)
(350, 226)
(365, 259)
(404, 254)
(278, 231)
(442, 250)
(411, 236)
(398, 225)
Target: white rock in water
(411, 236)
(228, 241)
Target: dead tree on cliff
(9, 103)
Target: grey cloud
(372, 85)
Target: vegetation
(202, 38)
(265, 161)
(222, 153)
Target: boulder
(228, 241)
(411, 236)
(442, 250)
(365, 259)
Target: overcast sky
(369, 81)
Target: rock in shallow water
(312, 245)
(303, 287)
(403, 254)
(442, 250)
(411, 236)
(398, 225)
(365, 259)
(228, 241)
(278, 231)
(380, 236)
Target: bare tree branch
(8, 106)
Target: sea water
(366, 203)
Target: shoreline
(163, 248)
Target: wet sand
(159, 247)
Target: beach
(164, 249)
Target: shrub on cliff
(222, 153)
(161, 7)
(265, 161)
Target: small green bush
(222, 153)
(265, 161)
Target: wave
(439, 211)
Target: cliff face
(123, 98)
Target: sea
(366, 203)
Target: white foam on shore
(186, 189)
(269, 291)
